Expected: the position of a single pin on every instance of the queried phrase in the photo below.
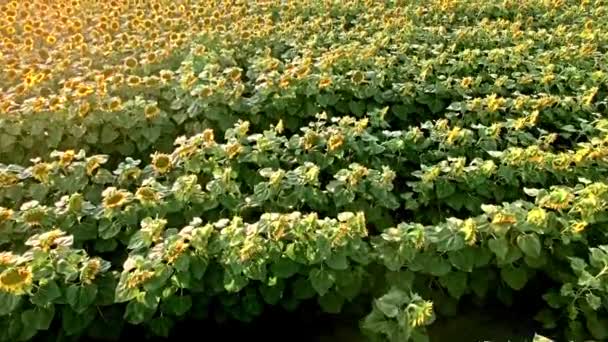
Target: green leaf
(515, 277)
(234, 282)
(138, 313)
(177, 305)
(464, 259)
(81, 297)
(500, 247)
(597, 326)
(272, 294)
(302, 289)
(321, 280)
(480, 282)
(455, 282)
(284, 268)
(8, 303)
(529, 244)
(74, 323)
(444, 188)
(594, 301)
(108, 134)
(161, 326)
(46, 294)
(109, 229)
(390, 303)
(38, 318)
(331, 302)
(337, 261)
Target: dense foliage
(164, 160)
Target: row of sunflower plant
(83, 238)
(109, 77)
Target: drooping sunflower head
(16, 280)
(114, 198)
(41, 171)
(7, 179)
(94, 162)
(7, 259)
(147, 195)
(33, 214)
(5, 214)
(151, 111)
(161, 163)
(66, 158)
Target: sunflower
(324, 82)
(133, 80)
(5, 214)
(130, 62)
(67, 158)
(557, 200)
(234, 149)
(41, 171)
(161, 163)
(8, 179)
(84, 90)
(94, 162)
(537, 216)
(147, 195)
(151, 111)
(357, 77)
(7, 259)
(115, 104)
(502, 218)
(16, 280)
(114, 198)
(90, 270)
(208, 137)
(578, 226)
(83, 109)
(335, 142)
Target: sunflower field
(162, 161)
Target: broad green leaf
(500, 247)
(46, 294)
(38, 318)
(597, 326)
(455, 282)
(302, 289)
(331, 302)
(594, 301)
(529, 244)
(390, 303)
(321, 280)
(74, 323)
(177, 305)
(284, 268)
(81, 297)
(8, 303)
(515, 277)
(137, 313)
(337, 261)
(464, 259)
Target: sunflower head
(5, 214)
(151, 111)
(90, 270)
(94, 162)
(8, 179)
(66, 158)
(41, 171)
(114, 198)
(335, 142)
(16, 280)
(7, 259)
(147, 195)
(161, 163)
(33, 214)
